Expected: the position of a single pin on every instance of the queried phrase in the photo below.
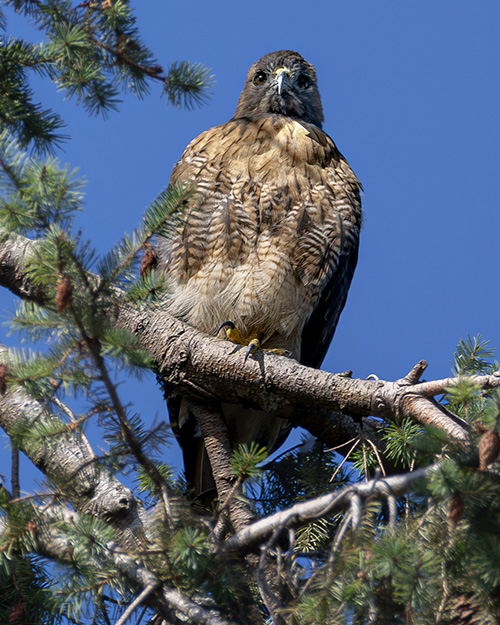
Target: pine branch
(25, 119)
(127, 433)
(93, 51)
(166, 600)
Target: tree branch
(14, 253)
(218, 446)
(324, 505)
(329, 405)
(198, 366)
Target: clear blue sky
(411, 97)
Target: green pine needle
(246, 460)
(188, 84)
(472, 356)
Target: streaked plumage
(272, 242)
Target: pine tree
(389, 514)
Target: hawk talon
(228, 324)
(235, 336)
(253, 346)
(232, 333)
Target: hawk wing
(320, 327)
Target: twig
(15, 484)
(346, 457)
(270, 601)
(339, 535)
(136, 602)
(375, 450)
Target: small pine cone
(64, 292)
(456, 507)
(489, 447)
(16, 613)
(149, 260)
(3, 379)
(132, 44)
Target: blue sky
(411, 97)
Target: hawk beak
(281, 78)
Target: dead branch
(322, 506)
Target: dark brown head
(281, 83)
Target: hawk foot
(234, 335)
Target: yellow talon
(253, 346)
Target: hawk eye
(303, 81)
(259, 78)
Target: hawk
(271, 242)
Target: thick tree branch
(326, 404)
(14, 253)
(196, 365)
(218, 446)
(66, 458)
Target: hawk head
(281, 83)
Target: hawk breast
(277, 216)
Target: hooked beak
(281, 78)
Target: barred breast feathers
(279, 205)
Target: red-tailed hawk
(271, 242)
